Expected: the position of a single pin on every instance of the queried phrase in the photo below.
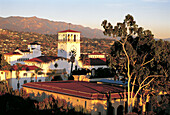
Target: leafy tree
(53, 73)
(4, 64)
(137, 56)
(36, 73)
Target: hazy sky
(150, 14)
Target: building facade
(92, 96)
(19, 55)
(68, 41)
(25, 75)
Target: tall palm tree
(18, 68)
(72, 59)
(36, 73)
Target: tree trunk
(143, 108)
(18, 85)
(129, 79)
(71, 68)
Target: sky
(149, 14)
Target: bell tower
(68, 42)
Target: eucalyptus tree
(136, 56)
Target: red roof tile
(78, 89)
(13, 53)
(95, 61)
(25, 67)
(68, 31)
(96, 53)
(44, 59)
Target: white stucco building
(68, 41)
(47, 63)
(19, 55)
(25, 76)
(68, 44)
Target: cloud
(158, 1)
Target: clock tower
(69, 42)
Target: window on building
(32, 80)
(71, 37)
(78, 100)
(25, 74)
(69, 53)
(85, 104)
(74, 38)
(25, 81)
(39, 80)
(68, 37)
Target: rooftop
(34, 43)
(78, 89)
(96, 53)
(95, 61)
(68, 31)
(13, 53)
(25, 67)
(44, 59)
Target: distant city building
(94, 60)
(68, 45)
(19, 55)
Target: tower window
(71, 37)
(68, 37)
(25, 81)
(74, 38)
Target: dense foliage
(19, 102)
(144, 62)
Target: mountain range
(44, 26)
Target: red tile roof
(78, 89)
(68, 31)
(95, 61)
(96, 53)
(13, 53)
(25, 67)
(44, 59)
(25, 50)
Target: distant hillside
(165, 39)
(44, 26)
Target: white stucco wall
(12, 81)
(62, 64)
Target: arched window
(25, 81)
(74, 38)
(120, 110)
(69, 37)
